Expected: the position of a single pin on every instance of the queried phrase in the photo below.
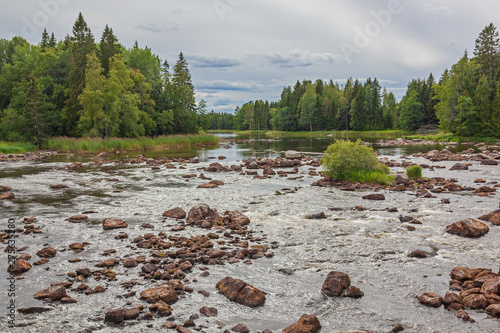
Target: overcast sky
(242, 50)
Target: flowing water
(371, 246)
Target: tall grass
(96, 145)
(16, 147)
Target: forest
(76, 87)
(464, 101)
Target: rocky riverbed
(137, 244)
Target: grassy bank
(449, 137)
(15, 147)
(319, 134)
(96, 145)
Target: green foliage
(16, 147)
(414, 171)
(352, 161)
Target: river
(371, 245)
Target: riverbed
(370, 245)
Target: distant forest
(79, 88)
(465, 101)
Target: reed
(96, 145)
(16, 147)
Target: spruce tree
(487, 51)
(109, 46)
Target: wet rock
(353, 292)
(234, 220)
(374, 196)
(7, 196)
(475, 301)
(306, 324)
(54, 293)
(397, 328)
(316, 216)
(417, 254)
(162, 293)
(129, 262)
(450, 298)
(47, 252)
(108, 263)
(239, 291)
(78, 218)
(293, 155)
(115, 316)
(34, 309)
(493, 217)
(430, 299)
(58, 186)
(493, 309)
(335, 283)
(131, 314)
(464, 316)
(109, 224)
(207, 185)
(459, 166)
(68, 300)
(203, 213)
(240, 328)
(175, 213)
(216, 182)
(208, 312)
(5, 188)
(468, 228)
(489, 162)
(19, 266)
(85, 272)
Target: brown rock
(19, 266)
(85, 272)
(475, 301)
(78, 218)
(493, 217)
(468, 228)
(353, 292)
(175, 213)
(450, 298)
(129, 262)
(7, 196)
(68, 300)
(115, 316)
(464, 316)
(207, 185)
(5, 188)
(234, 220)
(417, 254)
(461, 274)
(47, 252)
(109, 224)
(132, 313)
(54, 293)
(108, 263)
(241, 292)
(203, 213)
(216, 182)
(208, 312)
(34, 309)
(58, 186)
(430, 299)
(77, 247)
(306, 324)
(459, 166)
(493, 309)
(162, 293)
(335, 283)
(374, 196)
(241, 328)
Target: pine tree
(108, 47)
(487, 51)
(52, 41)
(45, 39)
(82, 44)
(184, 101)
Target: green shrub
(414, 171)
(354, 162)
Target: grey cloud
(225, 85)
(150, 28)
(300, 58)
(212, 62)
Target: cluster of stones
(5, 193)
(486, 156)
(28, 156)
(473, 228)
(479, 289)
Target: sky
(243, 50)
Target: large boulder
(109, 224)
(162, 293)
(335, 283)
(202, 215)
(468, 228)
(175, 213)
(239, 291)
(306, 324)
(19, 266)
(493, 217)
(54, 293)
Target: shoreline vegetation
(98, 145)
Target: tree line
(465, 101)
(78, 87)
